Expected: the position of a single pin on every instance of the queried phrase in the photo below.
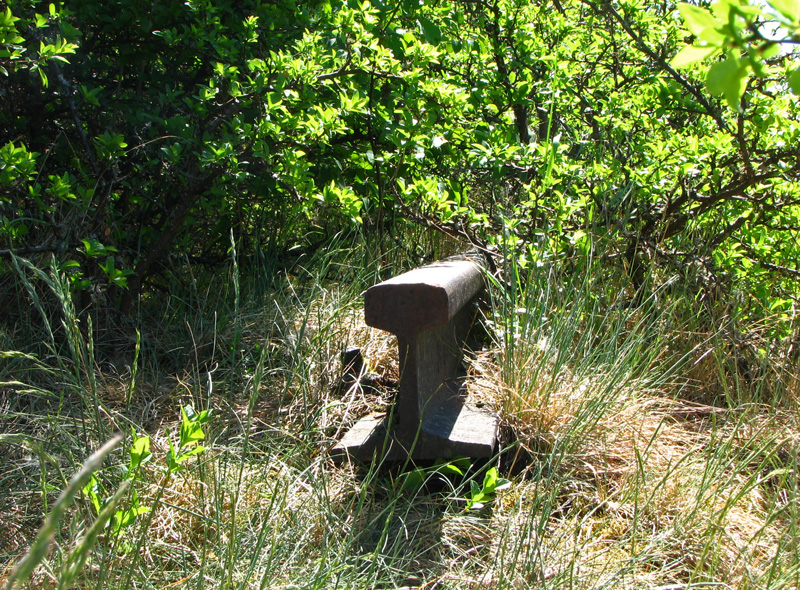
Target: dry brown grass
(658, 491)
(635, 486)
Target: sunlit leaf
(789, 9)
(794, 81)
(692, 54)
(140, 452)
(430, 31)
(728, 78)
(697, 19)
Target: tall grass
(623, 475)
(635, 482)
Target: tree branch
(698, 94)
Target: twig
(723, 125)
(36, 249)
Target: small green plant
(123, 517)
(481, 494)
(110, 517)
(414, 480)
(116, 276)
(191, 433)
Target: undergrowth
(639, 452)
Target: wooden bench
(430, 310)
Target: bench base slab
(449, 431)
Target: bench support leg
(430, 419)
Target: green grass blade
(78, 556)
(38, 549)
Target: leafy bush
(134, 136)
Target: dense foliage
(132, 133)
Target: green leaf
(692, 54)
(7, 20)
(191, 429)
(93, 248)
(769, 51)
(697, 19)
(172, 464)
(92, 490)
(477, 496)
(125, 518)
(794, 81)
(489, 480)
(140, 452)
(430, 31)
(728, 78)
(449, 468)
(790, 9)
(190, 453)
(412, 480)
(475, 489)
(502, 484)
(109, 266)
